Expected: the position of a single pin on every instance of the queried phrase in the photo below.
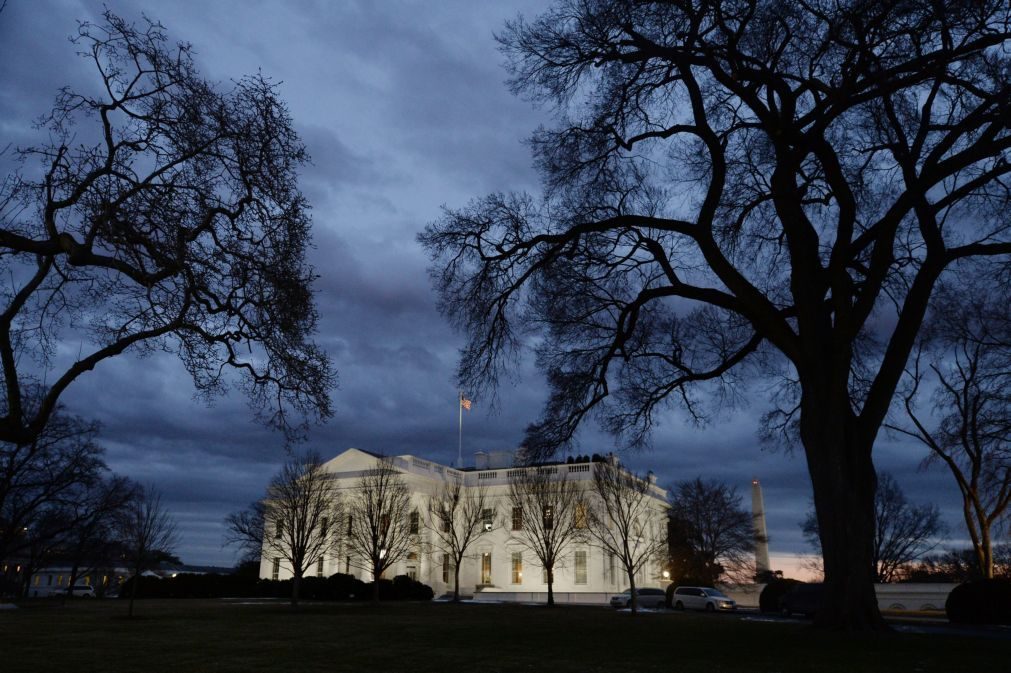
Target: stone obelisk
(762, 566)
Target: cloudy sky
(403, 108)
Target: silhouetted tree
(733, 188)
(148, 535)
(43, 476)
(626, 520)
(167, 216)
(457, 519)
(548, 502)
(379, 534)
(246, 530)
(718, 532)
(90, 541)
(970, 344)
(301, 516)
(903, 532)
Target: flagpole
(459, 455)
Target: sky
(404, 109)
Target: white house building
(495, 562)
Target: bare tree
(44, 475)
(147, 533)
(971, 372)
(547, 502)
(903, 532)
(246, 530)
(167, 216)
(740, 188)
(90, 539)
(380, 532)
(301, 516)
(456, 520)
(626, 520)
(718, 530)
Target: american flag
(464, 402)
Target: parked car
(82, 591)
(702, 598)
(804, 599)
(646, 598)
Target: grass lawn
(197, 635)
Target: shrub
(980, 602)
(773, 593)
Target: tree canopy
(160, 213)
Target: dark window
(487, 516)
(414, 522)
(324, 526)
(517, 518)
(549, 517)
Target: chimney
(762, 565)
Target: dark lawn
(181, 636)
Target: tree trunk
(296, 584)
(133, 592)
(376, 573)
(551, 592)
(844, 481)
(633, 601)
(985, 552)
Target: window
(350, 521)
(384, 524)
(544, 574)
(517, 567)
(414, 523)
(580, 515)
(488, 517)
(611, 576)
(486, 568)
(347, 564)
(549, 517)
(517, 518)
(580, 567)
(276, 570)
(50, 582)
(278, 529)
(324, 527)
(319, 568)
(38, 578)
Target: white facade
(495, 561)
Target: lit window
(580, 515)
(38, 578)
(580, 567)
(517, 518)
(276, 570)
(486, 568)
(517, 567)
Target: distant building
(495, 561)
